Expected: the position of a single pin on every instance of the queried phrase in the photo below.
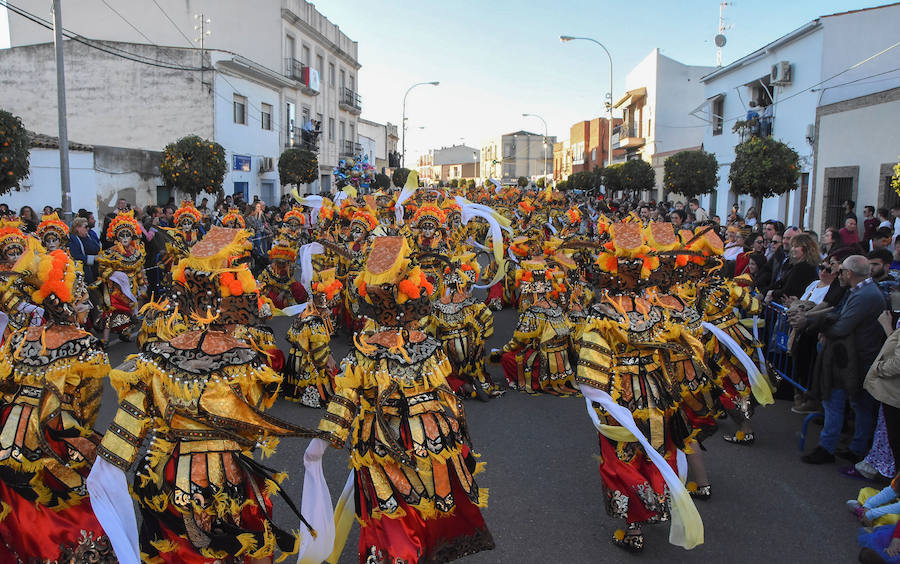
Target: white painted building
(283, 60)
(660, 93)
(516, 154)
(827, 61)
(99, 176)
(384, 154)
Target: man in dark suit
(857, 331)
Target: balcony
(304, 139)
(754, 127)
(305, 75)
(350, 149)
(394, 159)
(350, 101)
(628, 137)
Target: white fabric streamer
(497, 185)
(405, 194)
(121, 280)
(760, 388)
(759, 352)
(304, 257)
(316, 508)
(111, 502)
(340, 197)
(686, 528)
(550, 227)
(314, 203)
(470, 210)
(294, 309)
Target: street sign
(241, 163)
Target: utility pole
(66, 203)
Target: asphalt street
(545, 497)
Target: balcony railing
(350, 101)
(629, 135)
(754, 127)
(350, 149)
(304, 139)
(293, 69)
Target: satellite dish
(719, 40)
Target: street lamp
(545, 141)
(567, 38)
(403, 150)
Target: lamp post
(567, 38)
(545, 141)
(403, 150)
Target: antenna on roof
(720, 35)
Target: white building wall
(368, 147)
(246, 140)
(794, 111)
(455, 155)
(42, 187)
(864, 137)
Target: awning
(705, 103)
(631, 96)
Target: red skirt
(634, 489)
(35, 532)
(411, 538)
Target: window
(289, 48)
(352, 83)
(290, 118)
(839, 189)
(306, 57)
(265, 111)
(718, 115)
(331, 129)
(331, 75)
(343, 131)
(306, 112)
(352, 133)
(343, 79)
(240, 110)
(267, 188)
(241, 188)
(319, 64)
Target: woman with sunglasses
(754, 244)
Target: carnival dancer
(536, 359)
(351, 262)
(52, 381)
(233, 219)
(18, 254)
(430, 243)
(291, 231)
(122, 282)
(635, 393)
(201, 396)
(387, 219)
(182, 237)
(277, 280)
(462, 325)
(416, 498)
(310, 368)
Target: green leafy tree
(298, 166)
(581, 181)
(399, 177)
(637, 176)
(471, 184)
(541, 183)
(562, 185)
(764, 167)
(382, 181)
(193, 165)
(691, 173)
(612, 178)
(14, 152)
(454, 182)
(522, 182)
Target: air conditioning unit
(780, 73)
(266, 164)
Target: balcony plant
(14, 152)
(691, 173)
(764, 167)
(895, 181)
(298, 166)
(193, 165)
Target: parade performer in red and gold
(202, 396)
(462, 324)
(536, 359)
(310, 368)
(122, 281)
(18, 254)
(182, 237)
(277, 280)
(51, 379)
(416, 498)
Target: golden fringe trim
(5, 509)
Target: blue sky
(497, 59)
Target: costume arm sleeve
(595, 361)
(485, 320)
(319, 349)
(335, 424)
(122, 442)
